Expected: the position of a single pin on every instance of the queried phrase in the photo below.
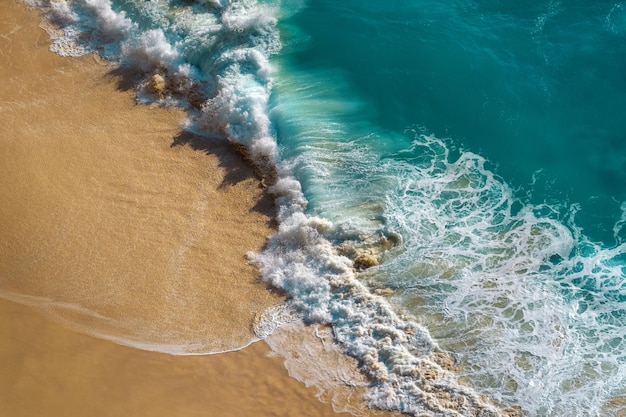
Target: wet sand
(114, 223)
(49, 370)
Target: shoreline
(102, 215)
(55, 371)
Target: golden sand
(107, 228)
(48, 370)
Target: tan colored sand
(109, 225)
(107, 228)
(48, 370)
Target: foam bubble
(531, 307)
(397, 355)
(311, 356)
(149, 50)
(60, 11)
(108, 24)
(273, 318)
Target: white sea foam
(532, 308)
(149, 50)
(60, 11)
(396, 354)
(86, 26)
(107, 24)
(274, 318)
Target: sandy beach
(114, 224)
(49, 370)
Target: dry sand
(108, 229)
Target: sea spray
(407, 371)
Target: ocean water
(450, 179)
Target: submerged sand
(115, 223)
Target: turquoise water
(537, 89)
(474, 149)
